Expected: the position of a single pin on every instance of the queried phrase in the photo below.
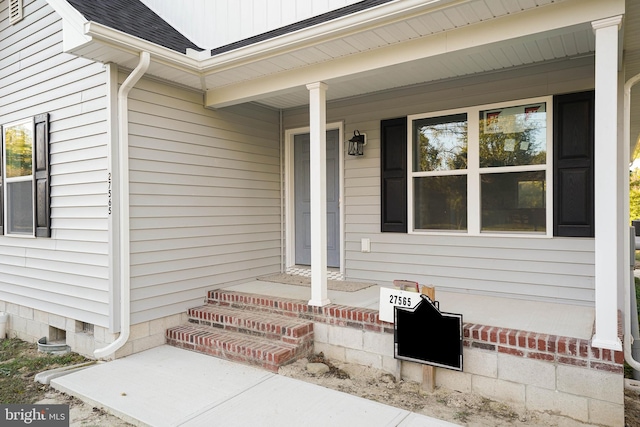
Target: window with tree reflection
(513, 136)
(18, 175)
(440, 143)
(503, 183)
(440, 200)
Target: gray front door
(302, 188)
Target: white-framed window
(482, 169)
(17, 171)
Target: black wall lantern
(357, 143)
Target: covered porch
(541, 308)
(318, 94)
(377, 60)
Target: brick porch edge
(532, 345)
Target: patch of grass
(462, 416)
(500, 410)
(19, 363)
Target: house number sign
(390, 298)
(109, 192)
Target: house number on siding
(109, 204)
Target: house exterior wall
(559, 269)
(204, 194)
(67, 274)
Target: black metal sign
(426, 335)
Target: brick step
(236, 346)
(268, 325)
(262, 303)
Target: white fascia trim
(134, 45)
(566, 13)
(333, 29)
(67, 12)
(72, 24)
(78, 32)
(544, 19)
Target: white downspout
(628, 337)
(125, 252)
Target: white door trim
(290, 233)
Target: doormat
(334, 285)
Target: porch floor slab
(566, 320)
(167, 386)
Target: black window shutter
(573, 174)
(393, 173)
(42, 208)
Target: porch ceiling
(574, 42)
(396, 44)
(434, 41)
(399, 43)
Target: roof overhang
(395, 44)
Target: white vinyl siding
(205, 197)
(559, 269)
(66, 274)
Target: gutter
(203, 63)
(189, 63)
(628, 330)
(393, 12)
(123, 187)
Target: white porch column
(318, 169)
(608, 215)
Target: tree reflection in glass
(440, 201)
(513, 136)
(18, 149)
(440, 143)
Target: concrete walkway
(166, 386)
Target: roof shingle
(135, 18)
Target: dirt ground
(80, 413)
(459, 408)
(632, 407)
(21, 361)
